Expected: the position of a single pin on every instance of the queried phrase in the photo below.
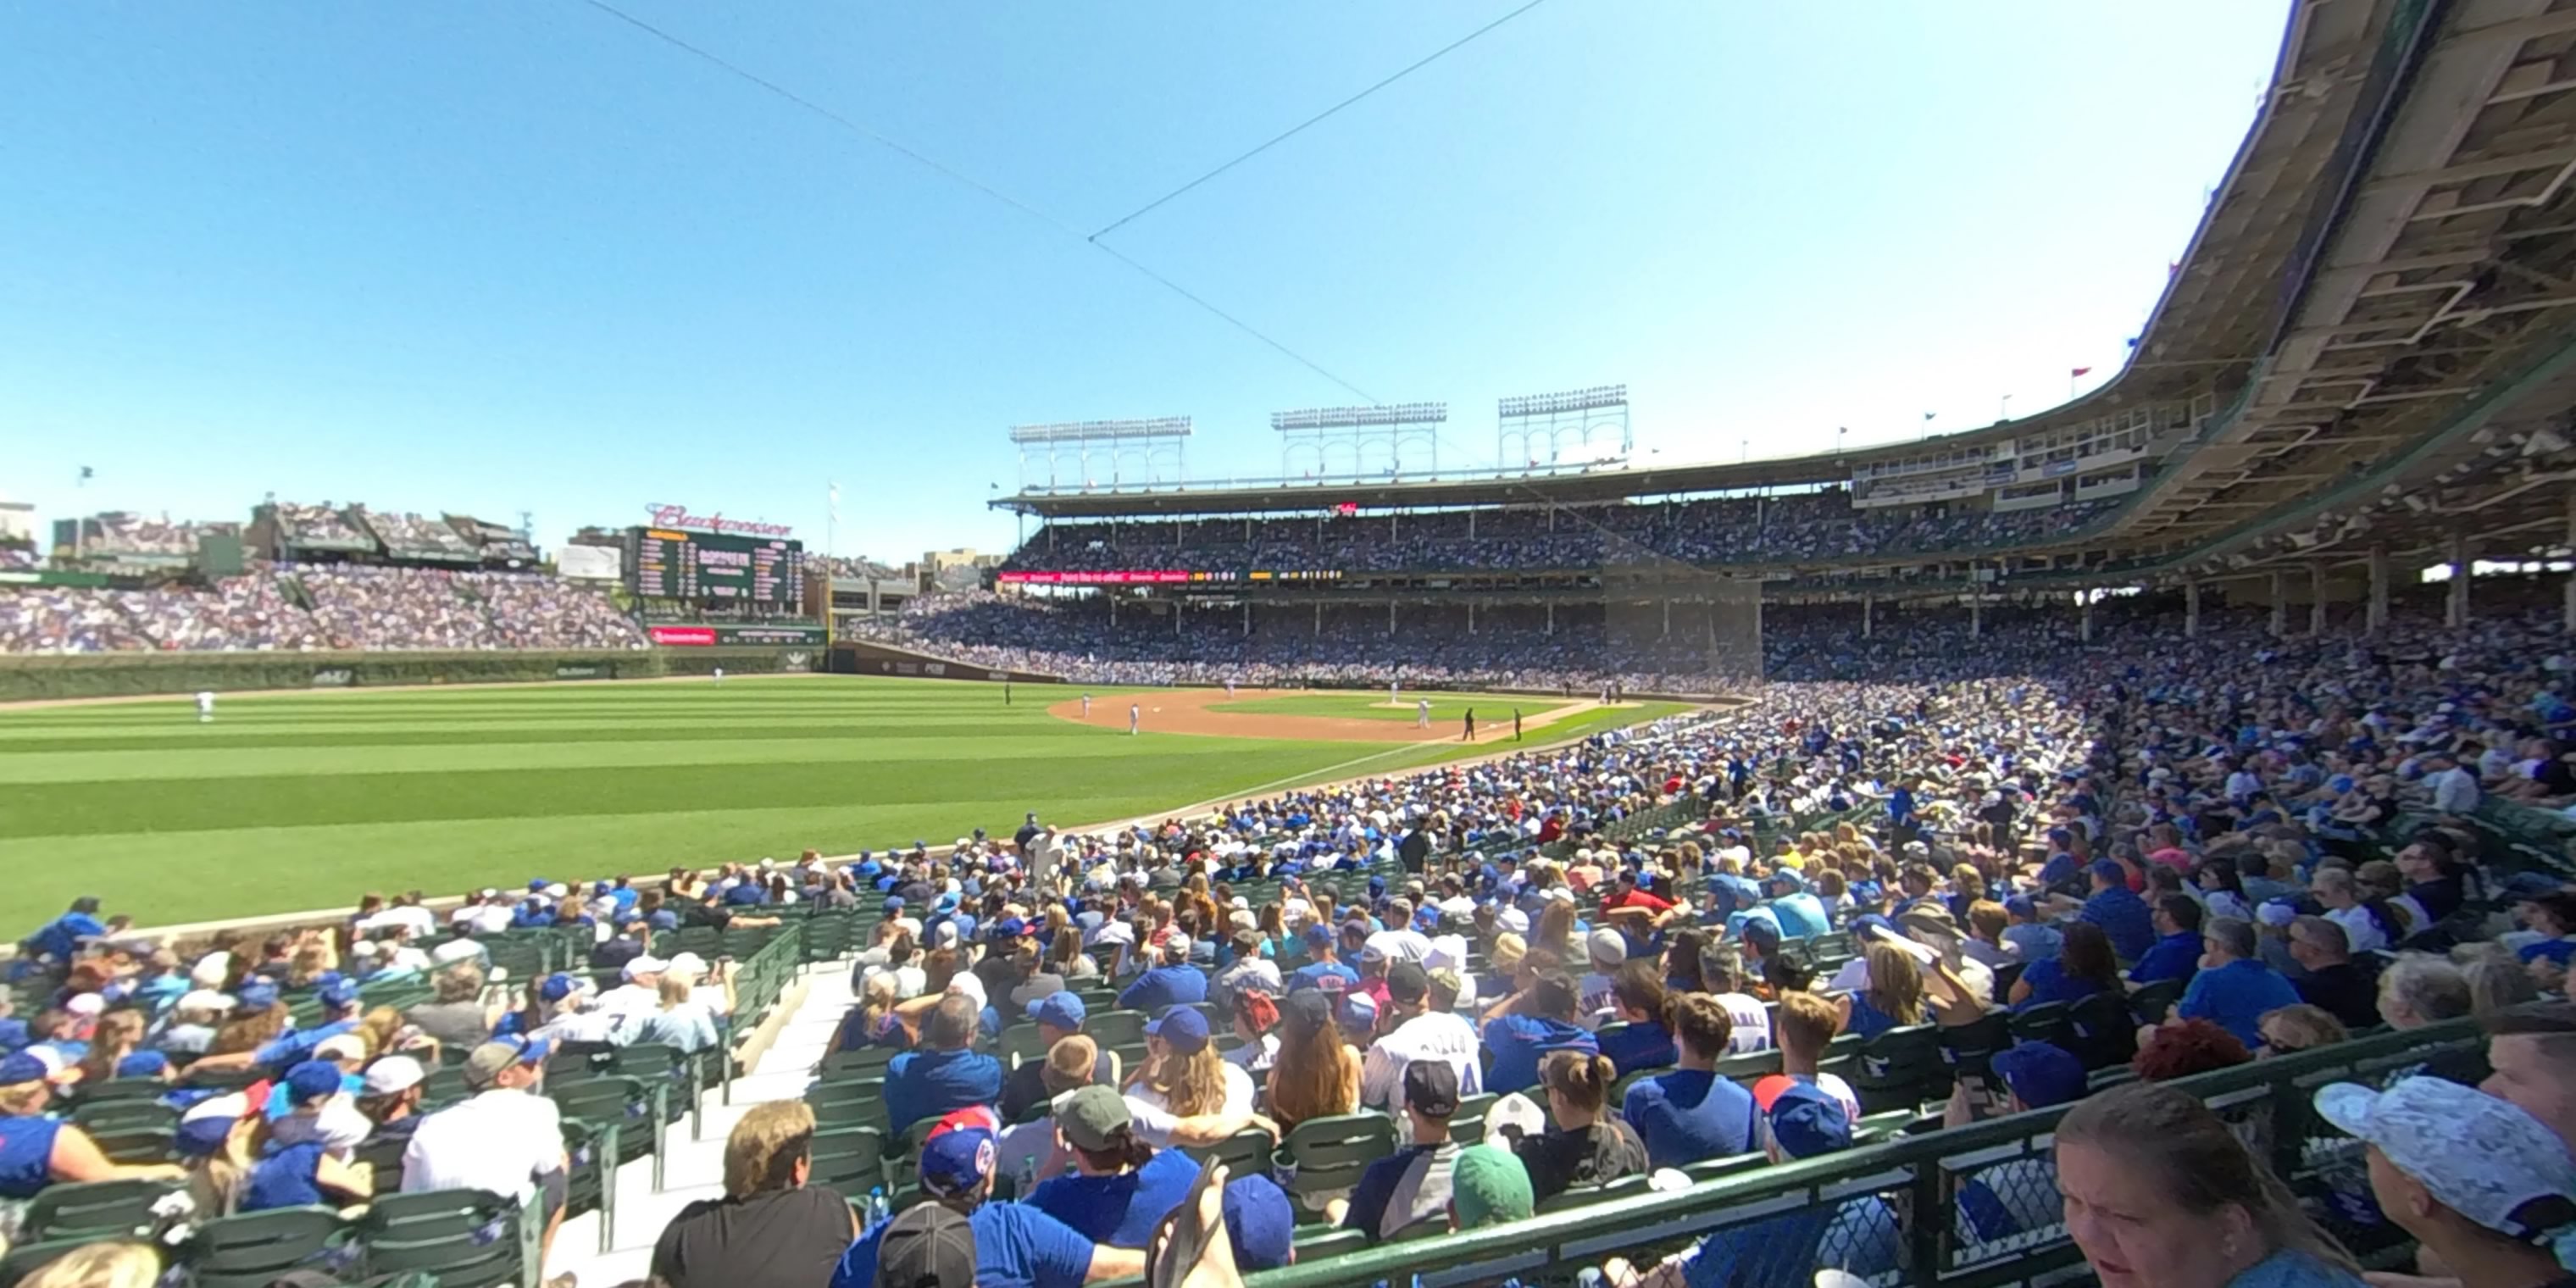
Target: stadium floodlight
(1102, 431)
(1360, 417)
(1571, 400)
(1573, 427)
(1153, 446)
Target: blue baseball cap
(1064, 1010)
(257, 995)
(1258, 1222)
(338, 994)
(199, 1137)
(536, 885)
(1318, 934)
(312, 1080)
(2022, 906)
(21, 1069)
(663, 919)
(13, 1036)
(959, 1154)
(143, 1064)
(2042, 1074)
(1806, 1122)
(557, 987)
(1007, 928)
(1182, 1029)
(2109, 871)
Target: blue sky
(495, 257)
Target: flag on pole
(87, 473)
(1927, 415)
(2079, 371)
(835, 491)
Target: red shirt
(1638, 899)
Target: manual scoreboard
(707, 567)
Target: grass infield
(294, 801)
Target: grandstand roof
(2204, 333)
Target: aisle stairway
(695, 1168)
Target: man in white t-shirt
(1721, 968)
(1418, 1033)
(507, 1139)
(482, 914)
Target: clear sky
(505, 255)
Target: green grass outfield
(298, 801)
(1445, 707)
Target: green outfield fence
(100, 675)
(2266, 1100)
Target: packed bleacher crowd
(415, 532)
(1917, 883)
(320, 523)
(1738, 529)
(353, 607)
(115, 534)
(1508, 647)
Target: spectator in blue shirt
(950, 1075)
(1120, 1187)
(1783, 1251)
(1640, 1040)
(61, 938)
(1012, 1243)
(2234, 987)
(2119, 911)
(1801, 915)
(2176, 952)
(1324, 969)
(1170, 984)
(1534, 1023)
(1692, 1115)
(2061, 868)
(2031, 939)
(2081, 969)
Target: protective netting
(1669, 626)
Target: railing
(2266, 1100)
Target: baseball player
(1086, 706)
(1470, 735)
(1422, 713)
(205, 706)
(1133, 713)
(720, 675)
(1391, 699)
(1229, 690)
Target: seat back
(849, 1159)
(2102, 1031)
(1245, 1153)
(99, 1209)
(1325, 1155)
(256, 1247)
(95, 1116)
(854, 1102)
(28, 1258)
(2047, 1022)
(1900, 1069)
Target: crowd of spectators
(119, 533)
(413, 532)
(353, 607)
(2288, 839)
(1740, 529)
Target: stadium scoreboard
(666, 563)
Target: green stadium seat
(1325, 1156)
(849, 1102)
(1245, 1153)
(251, 1250)
(99, 1116)
(98, 1210)
(859, 1062)
(1467, 1125)
(850, 1160)
(26, 1259)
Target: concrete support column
(2569, 624)
(1551, 613)
(2316, 599)
(2280, 603)
(1471, 604)
(2375, 612)
(1176, 619)
(2456, 614)
(1113, 610)
(1668, 619)
(2088, 619)
(1868, 607)
(2191, 610)
(1390, 619)
(1247, 619)
(1471, 525)
(1976, 611)
(1319, 619)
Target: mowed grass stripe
(297, 801)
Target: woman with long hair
(249, 1029)
(1894, 998)
(1681, 962)
(2084, 965)
(1182, 1073)
(1065, 956)
(2160, 1194)
(118, 1035)
(1555, 927)
(873, 1021)
(1584, 1146)
(1316, 1074)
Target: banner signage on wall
(584, 671)
(1158, 577)
(747, 636)
(334, 677)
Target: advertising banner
(334, 677)
(585, 671)
(682, 636)
(590, 563)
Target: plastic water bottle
(876, 1205)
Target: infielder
(1229, 690)
(1132, 715)
(1086, 706)
(205, 706)
(1422, 713)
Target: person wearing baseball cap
(310, 1167)
(1059, 1016)
(1802, 1122)
(1181, 1062)
(2019, 1195)
(1412, 1184)
(1014, 1243)
(1171, 982)
(506, 1138)
(37, 1150)
(1324, 968)
(389, 1095)
(2118, 911)
(1120, 1187)
(1540, 1019)
(2476, 1180)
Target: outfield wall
(100, 675)
(864, 657)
